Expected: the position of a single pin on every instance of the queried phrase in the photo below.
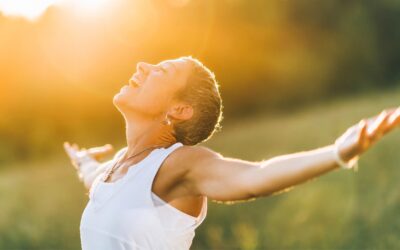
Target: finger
(67, 148)
(72, 151)
(99, 151)
(106, 147)
(362, 136)
(362, 128)
(372, 122)
(395, 118)
(389, 111)
(71, 154)
(379, 126)
(66, 145)
(393, 121)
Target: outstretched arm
(86, 161)
(227, 179)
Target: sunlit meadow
(293, 76)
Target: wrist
(80, 161)
(344, 163)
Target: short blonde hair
(202, 92)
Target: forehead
(180, 69)
(179, 66)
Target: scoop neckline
(130, 169)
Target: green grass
(41, 202)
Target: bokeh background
(294, 75)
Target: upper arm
(217, 177)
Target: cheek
(156, 95)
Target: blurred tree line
(59, 74)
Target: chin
(119, 101)
(116, 99)
(122, 103)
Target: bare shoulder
(172, 178)
(189, 156)
(189, 162)
(186, 159)
(199, 151)
(184, 165)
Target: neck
(144, 133)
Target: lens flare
(30, 10)
(33, 9)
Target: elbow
(260, 191)
(263, 183)
(257, 186)
(258, 194)
(271, 190)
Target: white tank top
(126, 214)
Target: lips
(134, 82)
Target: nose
(143, 67)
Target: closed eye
(162, 69)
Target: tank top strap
(156, 163)
(160, 158)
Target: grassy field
(41, 202)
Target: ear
(181, 111)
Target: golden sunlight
(33, 9)
(88, 6)
(179, 3)
(30, 10)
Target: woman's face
(151, 88)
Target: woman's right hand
(74, 153)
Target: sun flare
(33, 9)
(30, 10)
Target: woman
(153, 194)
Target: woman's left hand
(360, 137)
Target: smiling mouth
(133, 83)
